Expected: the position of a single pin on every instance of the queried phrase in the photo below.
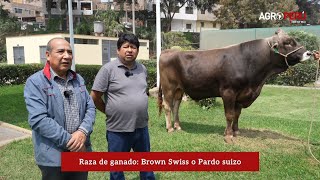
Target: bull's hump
(188, 56)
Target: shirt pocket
(83, 89)
(52, 107)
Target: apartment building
(29, 13)
(190, 19)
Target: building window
(189, 10)
(85, 6)
(54, 5)
(188, 26)
(18, 10)
(203, 11)
(74, 5)
(63, 5)
(177, 9)
(202, 24)
(43, 57)
(83, 41)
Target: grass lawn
(276, 125)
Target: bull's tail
(160, 100)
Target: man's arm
(36, 102)
(316, 55)
(98, 101)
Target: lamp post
(133, 18)
(73, 67)
(158, 30)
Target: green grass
(276, 125)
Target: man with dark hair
(123, 82)
(61, 112)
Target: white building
(190, 19)
(87, 49)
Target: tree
(312, 9)
(110, 19)
(9, 26)
(170, 7)
(245, 14)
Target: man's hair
(49, 47)
(131, 38)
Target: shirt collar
(47, 72)
(54, 74)
(120, 64)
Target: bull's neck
(263, 59)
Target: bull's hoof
(178, 128)
(236, 133)
(229, 139)
(170, 130)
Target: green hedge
(151, 66)
(298, 75)
(88, 72)
(18, 74)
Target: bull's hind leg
(168, 106)
(177, 101)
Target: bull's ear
(275, 45)
(279, 31)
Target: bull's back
(196, 72)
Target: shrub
(151, 66)
(88, 72)
(207, 103)
(170, 39)
(298, 75)
(17, 74)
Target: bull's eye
(288, 43)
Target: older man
(61, 112)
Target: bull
(235, 73)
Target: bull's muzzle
(306, 56)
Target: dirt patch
(260, 140)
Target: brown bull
(234, 73)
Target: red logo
(295, 17)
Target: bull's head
(284, 45)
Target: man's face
(60, 56)
(128, 52)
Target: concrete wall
(31, 46)
(213, 38)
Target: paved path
(10, 133)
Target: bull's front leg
(229, 102)
(235, 127)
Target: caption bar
(160, 161)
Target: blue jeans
(138, 140)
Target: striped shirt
(71, 107)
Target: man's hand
(76, 143)
(316, 55)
